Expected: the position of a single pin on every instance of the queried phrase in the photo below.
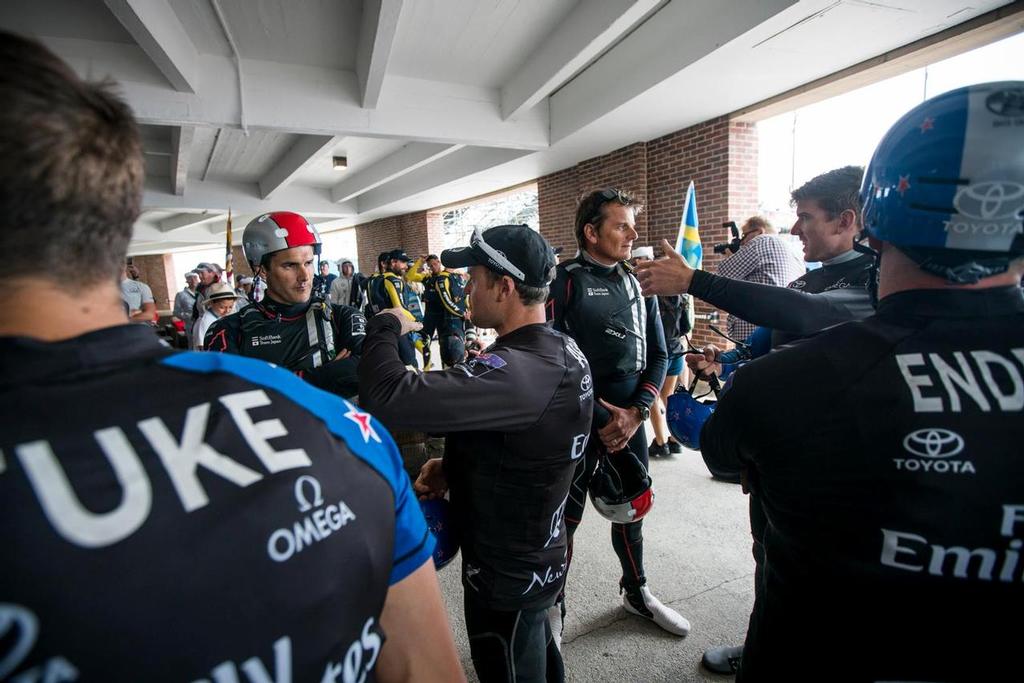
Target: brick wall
(418, 233)
(559, 192)
(718, 155)
(157, 271)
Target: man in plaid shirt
(762, 258)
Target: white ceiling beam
(677, 36)
(588, 30)
(184, 221)
(306, 151)
(376, 38)
(242, 198)
(452, 167)
(158, 31)
(181, 155)
(320, 101)
(407, 159)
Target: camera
(732, 245)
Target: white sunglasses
(477, 240)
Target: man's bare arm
(419, 645)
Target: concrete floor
(697, 555)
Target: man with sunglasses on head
(596, 300)
(516, 418)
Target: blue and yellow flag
(688, 241)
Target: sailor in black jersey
(597, 301)
(894, 495)
(828, 221)
(174, 516)
(517, 418)
(444, 304)
(291, 327)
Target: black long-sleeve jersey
(616, 327)
(886, 457)
(818, 299)
(191, 516)
(517, 418)
(303, 338)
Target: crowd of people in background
(192, 514)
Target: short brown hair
(759, 223)
(591, 208)
(835, 191)
(71, 169)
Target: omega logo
(990, 200)
(933, 443)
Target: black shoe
(674, 447)
(723, 660)
(656, 451)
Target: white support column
(405, 160)
(588, 30)
(181, 155)
(157, 30)
(376, 37)
(308, 150)
(450, 168)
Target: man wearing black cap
(517, 418)
(444, 301)
(390, 290)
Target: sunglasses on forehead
(611, 195)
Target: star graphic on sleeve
(362, 420)
(927, 124)
(903, 185)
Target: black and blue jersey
(192, 516)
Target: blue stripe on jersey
(413, 545)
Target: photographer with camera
(758, 255)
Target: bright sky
(845, 130)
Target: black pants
(627, 539)
(511, 647)
(451, 337)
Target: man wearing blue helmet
(894, 496)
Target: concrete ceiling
(244, 102)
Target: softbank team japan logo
(934, 449)
(990, 200)
(362, 421)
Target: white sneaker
(555, 621)
(652, 609)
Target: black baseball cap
(514, 250)
(399, 255)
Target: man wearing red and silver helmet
(319, 341)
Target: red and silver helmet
(277, 231)
(621, 488)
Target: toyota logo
(990, 200)
(585, 383)
(1006, 102)
(934, 443)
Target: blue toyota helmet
(686, 416)
(437, 512)
(946, 183)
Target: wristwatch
(645, 412)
